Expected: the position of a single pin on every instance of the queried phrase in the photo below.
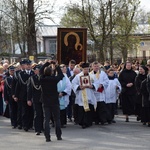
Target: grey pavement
(121, 135)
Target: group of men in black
(27, 101)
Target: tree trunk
(124, 54)
(31, 34)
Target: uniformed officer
(19, 102)
(33, 97)
(21, 95)
(8, 97)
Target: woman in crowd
(145, 111)
(1, 90)
(127, 78)
(138, 80)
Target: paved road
(119, 136)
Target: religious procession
(38, 96)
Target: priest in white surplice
(103, 81)
(84, 89)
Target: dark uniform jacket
(49, 86)
(8, 89)
(34, 89)
(21, 87)
(15, 80)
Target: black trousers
(48, 111)
(101, 112)
(111, 109)
(38, 117)
(85, 118)
(70, 106)
(75, 113)
(128, 104)
(63, 117)
(19, 113)
(27, 115)
(13, 112)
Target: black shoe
(138, 118)
(69, 120)
(31, 128)
(59, 138)
(19, 127)
(127, 119)
(14, 127)
(48, 140)
(37, 133)
(75, 123)
(148, 125)
(63, 126)
(83, 126)
(96, 123)
(144, 123)
(26, 129)
(113, 121)
(109, 122)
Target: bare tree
(102, 18)
(24, 16)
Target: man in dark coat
(50, 98)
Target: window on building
(39, 47)
(144, 53)
(52, 46)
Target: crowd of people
(37, 95)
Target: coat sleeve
(118, 85)
(75, 84)
(148, 83)
(60, 74)
(6, 97)
(137, 85)
(29, 90)
(68, 86)
(121, 80)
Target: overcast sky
(145, 4)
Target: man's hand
(129, 84)
(60, 94)
(6, 102)
(91, 86)
(82, 87)
(29, 103)
(15, 99)
(100, 85)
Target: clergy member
(85, 98)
